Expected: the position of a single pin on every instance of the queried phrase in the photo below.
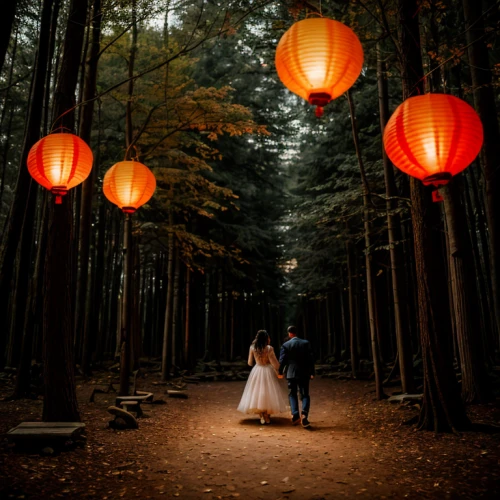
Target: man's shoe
(295, 419)
(305, 421)
(267, 418)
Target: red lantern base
(319, 99)
(439, 179)
(128, 210)
(58, 192)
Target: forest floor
(201, 447)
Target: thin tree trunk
(6, 23)
(86, 119)
(187, 332)
(21, 215)
(484, 100)
(168, 308)
(8, 131)
(394, 234)
(125, 323)
(370, 289)
(23, 375)
(130, 92)
(175, 307)
(352, 315)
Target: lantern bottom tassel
(319, 111)
(58, 192)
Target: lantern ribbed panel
(129, 184)
(319, 55)
(433, 134)
(60, 160)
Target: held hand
(312, 376)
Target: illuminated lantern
(129, 184)
(60, 162)
(319, 59)
(433, 137)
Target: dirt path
(202, 448)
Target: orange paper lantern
(129, 184)
(319, 59)
(60, 162)
(433, 137)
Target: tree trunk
(59, 384)
(21, 215)
(59, 403)
(6, 24)
(394, 234)
(23, 375)
(168, 308)
(484, 100)
(475, 384)
(86, 119)
(125, 323)
(370, 289)
(8, 130)
(187, 332)
(131, 65)
(352, 315)
(175, 308)
(442, 408)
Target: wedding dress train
(263, 391)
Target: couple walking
(263, 393)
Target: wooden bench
(45, 431)
(140, 396)
(132, 406)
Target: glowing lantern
(319, 59)
(129, 184)
(433, 137)
(60, 162)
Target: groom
(297, 357)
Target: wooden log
(177, 394)
(401, 398)
(127, 417)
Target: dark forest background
(264, 215)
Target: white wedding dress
(263, 392)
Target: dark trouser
(302, 385)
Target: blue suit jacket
(296, 357)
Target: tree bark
(175, 308)
(59, 403)
(60, 393)
(6, 23)
(370, 289)
(125, 323)
(21, 213)
(168, 308)
(442, 408)
(352, 315)
(394, 234)
(85, 128)
(475, 384)
(187, 332)
(484, 100)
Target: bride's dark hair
(260, 342)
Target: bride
(263, 394)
